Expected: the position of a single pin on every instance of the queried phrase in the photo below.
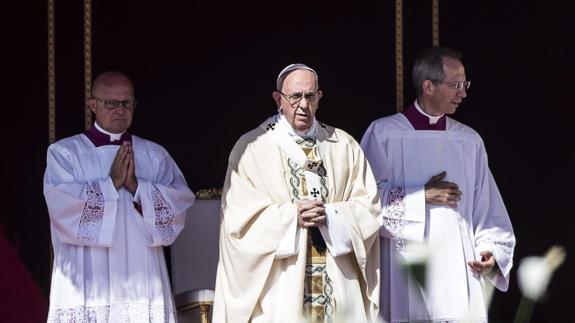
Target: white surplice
(108, 260)
(261, 270)
(403, 160)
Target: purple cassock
(99, 138)
(421, 122)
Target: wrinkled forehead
(300, 79)
(114, 89)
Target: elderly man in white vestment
(300, 218)
(114, 201)
(436, 188)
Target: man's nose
(303, 103)
(462, 92)
(120, 110)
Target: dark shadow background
(205, 70)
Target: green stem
(524, 311)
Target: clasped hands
(123, 169)
(311, 213)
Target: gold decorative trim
(87, 61)
(204, 308)
(51, 75)
(209, 194)
(435, 22)
(193, 305)
(51, 93)
(399, 54)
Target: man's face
(445, 97)
(115, 120)
(299, 85)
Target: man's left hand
(484, 266)
(131, 181)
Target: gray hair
(290, 68)
(429, 66)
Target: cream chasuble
(403, 160)
(264, 254)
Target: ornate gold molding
(399, 54)
(435, 22)
(209, 194)
(51, 75)
(87, 61)
(51, 92)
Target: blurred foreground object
(533, 276)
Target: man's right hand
(119, 168)
(131, 182)
(440, 192)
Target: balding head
(112, 87)
(111, 79)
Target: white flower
(534, 273)
(413, 259)
(415, 253)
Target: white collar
(284, 124)
(432, 119)
(113, 136)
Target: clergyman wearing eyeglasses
(437, 192)
(300, 218)
(114, 201)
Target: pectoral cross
(314, 192)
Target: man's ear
(91, 103)
(278, 98)
(427, 86)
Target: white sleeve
(289, 246)
(80, 213)
(335, 233)
(403, 212)
(491, 223)
(403, 208)
(164, 203)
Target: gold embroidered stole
(319, 305)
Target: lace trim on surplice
(164, 216)
(394, 219)
(92, 214)
(444, 321)
(131, 312)
(477, 320)
(506, 247)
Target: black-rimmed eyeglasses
(129, 104)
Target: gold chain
(51, 75)
(87, 61)
(399, 54)
(435, 22)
